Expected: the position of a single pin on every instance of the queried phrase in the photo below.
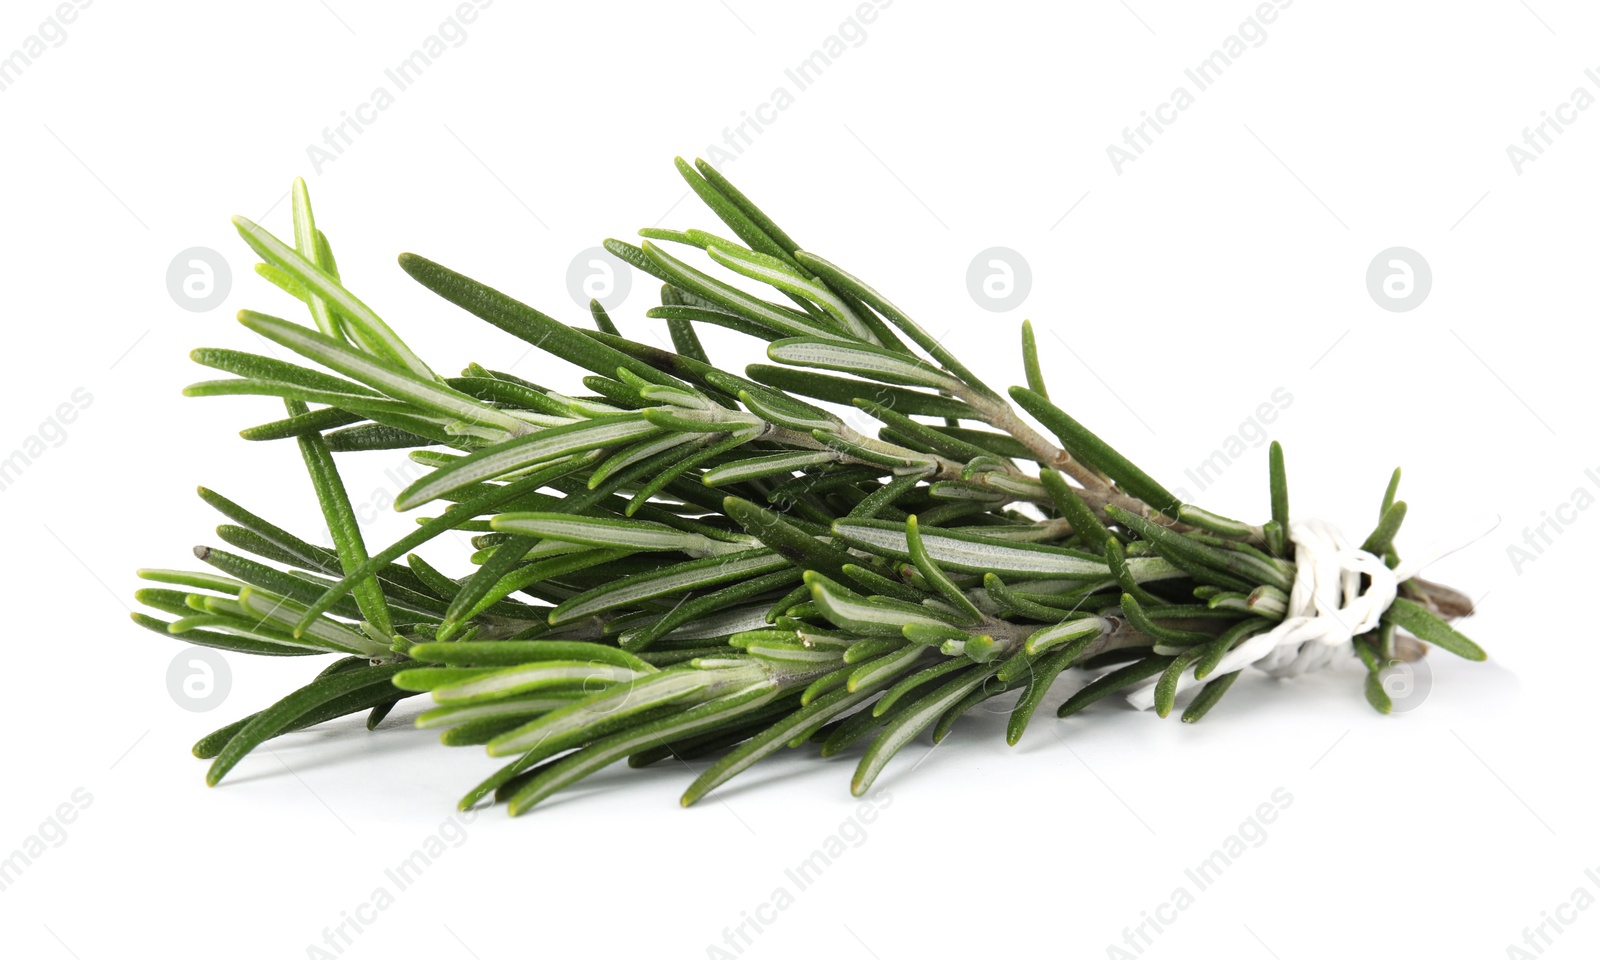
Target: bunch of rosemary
(687, 561)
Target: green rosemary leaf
(872, 672)
(666, 267)
(174, 602)
(603, 753)
(1030, 362)
(692, 461)
(371, 407)
(1075, 634)
(874, 617)
(340, 517)
(524, 322)
(884, 498)
(785, 411)
(1208, 697)
(1382, 537)
(774, 271)
(767, 645)
(1423, 624)
(1279, 482)
(1216, 649)
(262, 607)
(934, 634)
(935, 440)
(843, 735)
(1165, 636)
(915, 681)
(316, 421)
(472, 733)
(1120, 570)
(1109, 683)
(709, 604)
(209, 746)
(683, 317)
(1084, 523)
(519, 578)
(974, 553)
(514, 653)
(1230, 568)
(1014, 604)
(273, 720)
(632, 535)
(428, 395)
(526, 708)
(859, 359)
(1389, 493)
(910, 722)
(291, 548)
(268, 578)
(481, 586)
(309, 243)
(930, 570)
(769, 465)
(522, 396)
(610, 710)
(636, 453)
(827, 683)
(225, 641)
(798, 724)
(375, 436)
(473, 685)
(787, 540)
(602, 320)
(677, 579)
(845, 391)
(200, 581)
(844, 282)
(878, 584)
(990, 688)
(735, 210)
(1167, 686)
(718, 739)
(1044, 672)
(252, 366)
(1215, 523)
(1094, 452)
(465, 510)
(520, 453)
(365, 326)
(1275, 538)
(1376, 695)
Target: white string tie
(1327, 607)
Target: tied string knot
(1328, 606)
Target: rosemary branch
(689, 559)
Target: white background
(1227, 261)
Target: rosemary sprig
(688, 560)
